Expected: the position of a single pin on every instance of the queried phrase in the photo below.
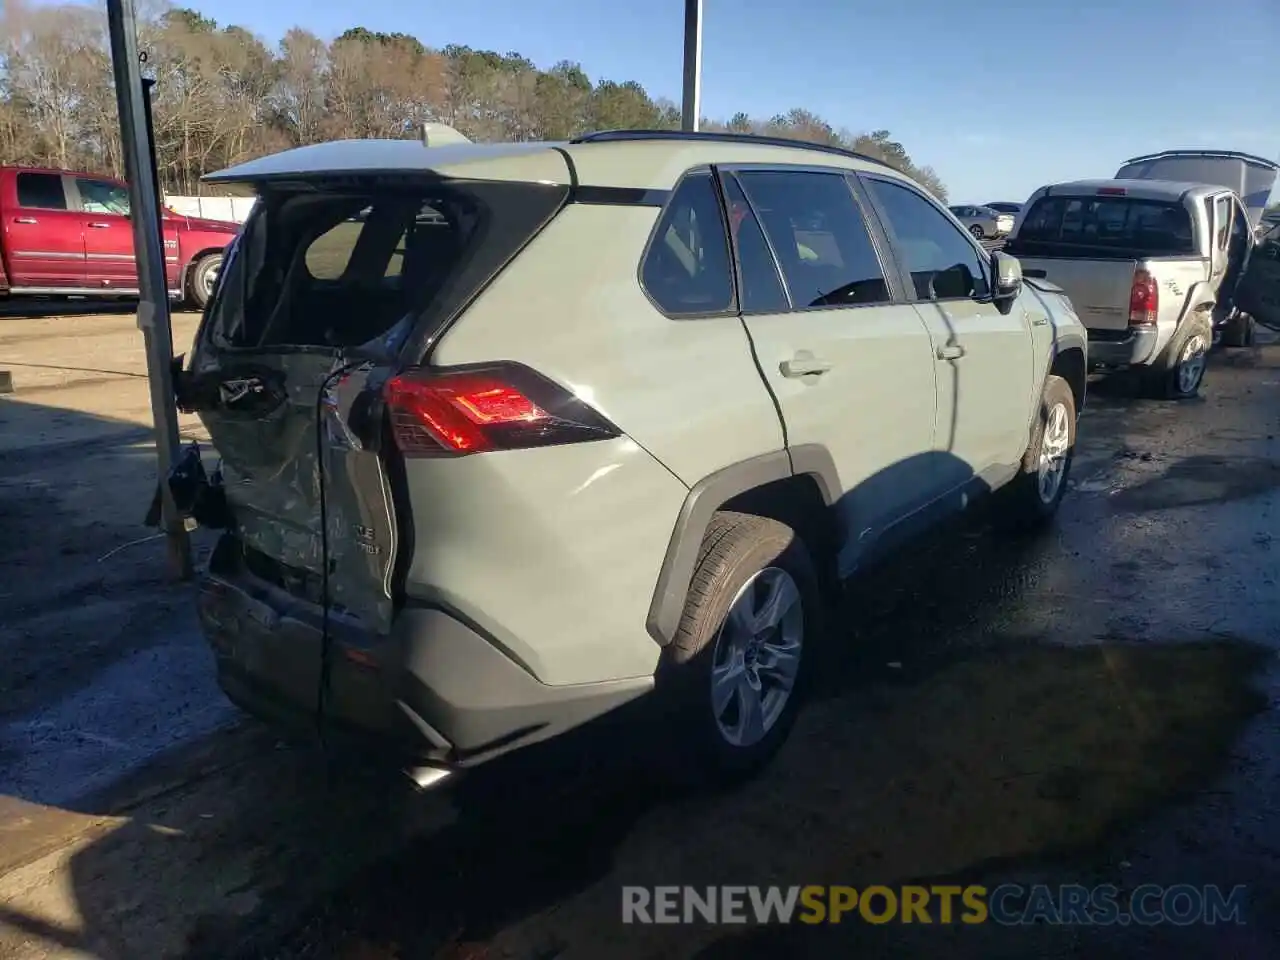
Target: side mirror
(1006, 272)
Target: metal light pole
(691, 102)
(153, 305)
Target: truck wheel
(978, 232)
(1179, 371)
(735, 671)
(202, 278)
(1034, 495)
(1239, 331)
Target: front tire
(202, 279)
(1035, 494)
(978, 232)
(737, 667)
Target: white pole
(692, 99)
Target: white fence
(234, 209)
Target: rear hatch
(1252, 178)
(334, 284)
(1093, 245)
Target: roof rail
(708, 136)
(1223, 154)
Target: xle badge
(367, 540)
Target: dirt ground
(1093, 706)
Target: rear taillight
(1144, 300)
(504, 406)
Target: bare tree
(223, 96)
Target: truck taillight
(502, 406)
(1144, 300)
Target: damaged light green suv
(513, 434)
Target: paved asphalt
(1093, 707)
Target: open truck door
(1259, 291)
(1252, 178)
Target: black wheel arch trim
(706, 497)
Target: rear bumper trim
(1122, 348)
(434, 691)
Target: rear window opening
(343, 265)
(1106, 223)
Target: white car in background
(984, 222)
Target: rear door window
(687, 270)
(820, 238)
(1121, 223)
(41, 191)
(759, 285)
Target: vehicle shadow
(938, 739)
(39, 307)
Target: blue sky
(999, 96)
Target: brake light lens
(1144, 300)
(459, 411)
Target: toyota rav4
(513, 434)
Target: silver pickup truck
(1151, 266)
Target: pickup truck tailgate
(1099, 289)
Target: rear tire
(1240, 331)
(736, 670)
(1034, 495)
(202, 278)
(1179, 371)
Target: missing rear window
(334, 266)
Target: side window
(103, 196)
(686, 269)
(943, 263)
(820, 237)
(760, 286)
(41, 191)
(1222, 221)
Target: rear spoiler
(438, 134)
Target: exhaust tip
(426, 777)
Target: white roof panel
(500, 161)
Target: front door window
(103, 196)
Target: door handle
(25, 220)
(803, 364)
(99, 226)
(1039, 319)
(950, 351)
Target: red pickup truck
(67, 233)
